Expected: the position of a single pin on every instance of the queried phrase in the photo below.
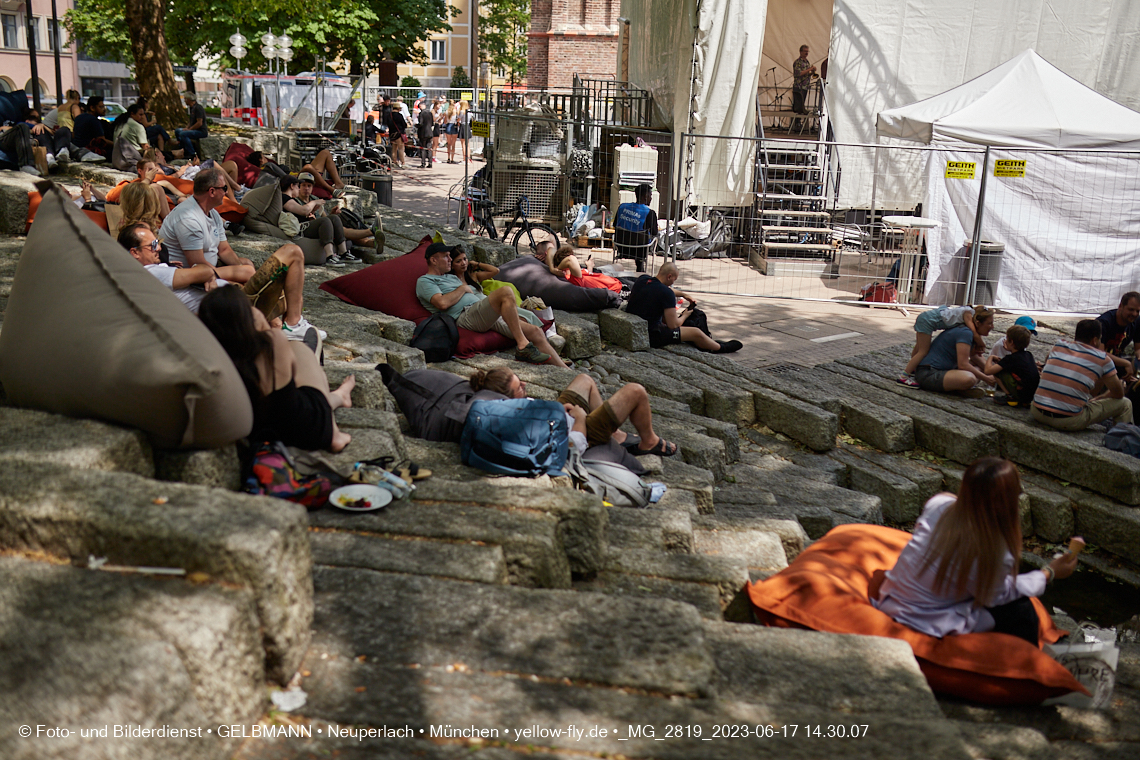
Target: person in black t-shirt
(1118, 329)
(654, 300)
(195, 130)
(1016, 372)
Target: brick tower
(568, 37)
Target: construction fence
(1054, 230)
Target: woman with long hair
(565, 264)
(464, 121)
(452, 129)
(475, 274)
(959, 573)
(139, 202)
(291, 399)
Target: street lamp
(277, 48)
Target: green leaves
(503, 36)
(349, 29)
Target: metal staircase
(794, 196)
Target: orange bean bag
(114, 193)
(34, 200)
(827, 588)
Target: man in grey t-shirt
(440, 290)
(195, 236)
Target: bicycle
(529, 235)
(475, 211)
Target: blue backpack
(521, 437)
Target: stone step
(704, 597)
(28, 435)
(216, 468)
(804, 422)
(750, 503)
(722, 401)
(530, 541)
(656, 383)
(582, 520)
(401, 621)
(370, 391)
(842, 505)
(471, 561)
(761, 550)
(727, 574)
(682, 476)
(1111, 473)
(750, 462)
(928, 479)
(901, 499)
(694, 448)
(945, 434)
(254, 542)
(583, 338)
(660, 529)
(620, 328)
(1002, 741)
(90, 648)
(790, 533)
(832, 471)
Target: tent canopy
(1024, 103)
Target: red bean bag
(239, 154)
(34, 200)
(828, 586)
(390, 287)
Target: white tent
(1070, 221)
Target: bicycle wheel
(528, 238)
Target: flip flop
(663, 448)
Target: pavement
(774, 331)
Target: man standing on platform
(802, 69)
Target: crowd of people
(1084, 381)
(429, 120)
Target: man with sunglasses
(195, 235)
(190, 285)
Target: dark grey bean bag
(532, 278)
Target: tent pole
(874, 193)
(976, 243)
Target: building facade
(568, 37)
(15, 62)
(446, 51)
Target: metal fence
(1032, 230)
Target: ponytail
(497, 380)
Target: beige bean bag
(88, 332)
(264, 207)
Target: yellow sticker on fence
(465, 96)
(1009, 168)
(961, 169)
(480, 129)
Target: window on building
(56, 36)
(95, 86)
(438, 51)
(8, 20)
(7, 85)
(35, 29)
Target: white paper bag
(1091, 658)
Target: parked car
(114, 110)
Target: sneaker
(64, 155)
(334, 261)
(907, 380)
(349, 257)
(234, 229)
(31, 170)
(531, 354)
(298, 331)
(339, 192)
(51, 162)
(972, 393)
(91, 157)
(1002, 398)
(729, 346)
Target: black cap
(435, 248)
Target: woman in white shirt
(959, 573)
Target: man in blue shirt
(440, 290)
(948, 366)
(635, 227)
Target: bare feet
(343, 394)
(339, 441)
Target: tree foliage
(503, 36)
(410, 81)
(459, 78)
(350, 29)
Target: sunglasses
(154, 245)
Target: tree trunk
(155, 77)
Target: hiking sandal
(663, 448)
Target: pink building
(15, 63)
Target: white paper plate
(377, 498)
